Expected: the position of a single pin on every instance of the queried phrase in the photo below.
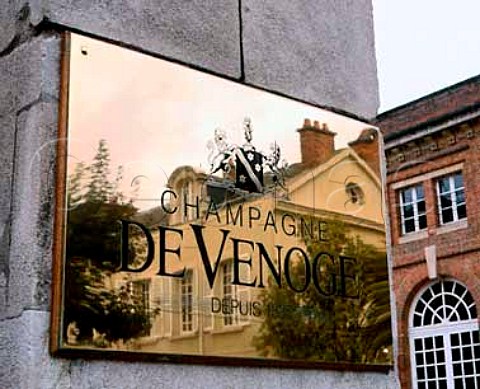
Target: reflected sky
(156, 115)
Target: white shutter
(196, 311)
(206, 305)
(167, 305)
(156, 297)
(243, 294)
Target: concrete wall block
(16, 19)
(31, 227)
(30, 366)
(28, 72)
(7, 144)
(26, 363)
(7, 24)
(319, 51)
(200, 32)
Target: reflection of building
(432, 149)
(223, 318)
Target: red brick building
(432, 148)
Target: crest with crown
(251, 170)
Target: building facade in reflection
(223, 247)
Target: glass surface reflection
(208, 218)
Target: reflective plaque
(199, 219)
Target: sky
(423, 46)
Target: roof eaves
(430, 123)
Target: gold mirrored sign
(200, 219)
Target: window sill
(230, 329)
(413, 236)
(186, 335)
(453, 226)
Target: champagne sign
(199, 219)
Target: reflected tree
(312, 326)
(96, 311)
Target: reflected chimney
(366, 147)
(316, 142)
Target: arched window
(444, 338)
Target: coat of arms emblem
(248, 163)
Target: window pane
(465, 338)
(463, 313)
(419, 359)
(457, 369)
(455, 339)
(442, 372)
(428, 317)
(440, 357)
(430, 359)
(458, 180)
(417, 320)
(420, 306)
(422, 222)
(408, 211)
(450, 300)
(421, 206)
(476, 335)
(436, 302)
(420, 374)
(468, 368)
(428, 343)
(418, 344)
(462, 211)
(448, 286)
(445, 201)
(447, 215)
(436, 289)
(467, 354)
(456, 354)
(409, 225)
(431, 373)
(419, 190)
(407, 196)
(438, 341)
(443, 185)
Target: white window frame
(414, 204)
(452, 191)
(443, 331)
(188, 290)
(208, 322)
(238, 292)
(187, 198)
(229, 291)
(145, 285)
(156, 294)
